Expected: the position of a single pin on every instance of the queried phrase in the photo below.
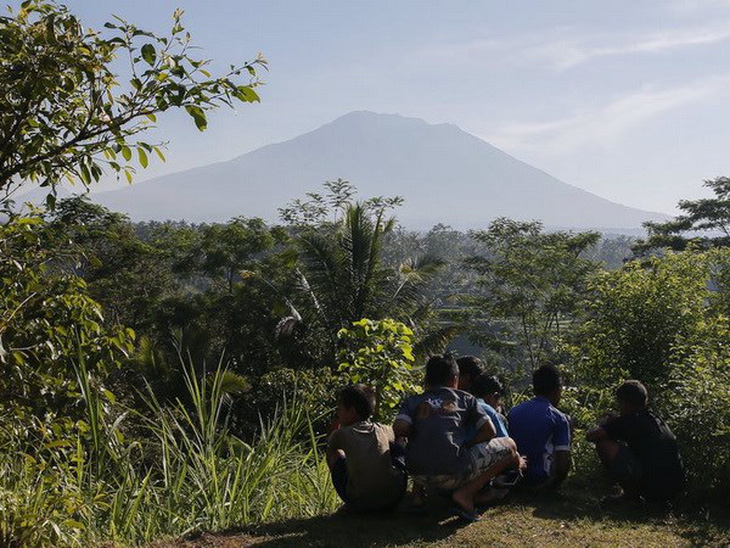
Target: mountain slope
(445, 174)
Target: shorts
(339, 476)
(629, 472)
(483, 456)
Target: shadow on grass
(345, 528)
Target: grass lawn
(572, 519)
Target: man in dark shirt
(638, 449)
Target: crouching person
(359, 455)
(440, 453)
(542, 433)
(639, 450)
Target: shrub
(379, 354)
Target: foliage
(46, 320)
(533, 285)
(643, 316)
(699, 406)
(705, 215)
(199, 476)
(663, 321)
(380, 355)
(129, 277)
(64, 113)
(343, 276)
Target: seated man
(440, 453)
(638, 449)
(359, 457)
(542, 433)
(488, 391)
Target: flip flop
(465, 515)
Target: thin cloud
(563, 51)
(603, 125)
(565, 54)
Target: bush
(663, 322)
(380, 355)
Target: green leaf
(198, 116)
(246, 94)
(127, 153)
(85, 175)
(149, 54)
(129, 176)
(142, 157)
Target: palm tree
(345, 280)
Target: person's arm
(478, 417)
(334, 446)
(562, 467)
(403, 423)
(485, 433)
(597, 434)
(561, 439)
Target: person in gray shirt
(439, 452)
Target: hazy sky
(627, 99)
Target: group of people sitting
(455, 439)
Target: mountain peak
(445, 174)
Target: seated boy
(440, 453)
(470, 367)
(639, 450)
(488, 391)
(542, 433)
(358, 454)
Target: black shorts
(627, 470)
(630, 473)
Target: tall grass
(191, 473)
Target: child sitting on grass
(488, 391)
(639, 450)
(440, 453)
(359, 456)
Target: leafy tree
(643, 316)
(226, 249)
(64, 114)
(379, 354)
(706, 215)
(126, 275)
(533, 284)
(48, 322)
(343, 276)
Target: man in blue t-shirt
(542, 433)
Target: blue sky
(627, 99)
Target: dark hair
(440, 370)
(359, 397)
(486, 384)
(545, 380)
(470, 366)
(633, 392)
